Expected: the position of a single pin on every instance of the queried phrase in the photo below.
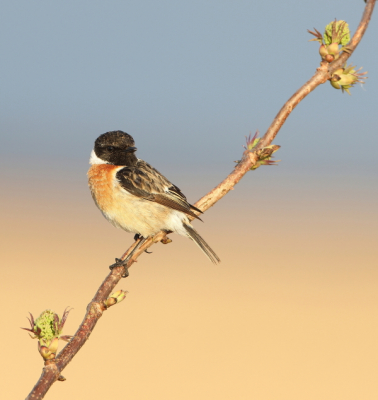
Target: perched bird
(136, 197)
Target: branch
(323, 73)
(52, 370)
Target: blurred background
(291, 312)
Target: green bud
(265, 156)
(323, 51)
(53, 347)
(44, 352)
(46, 323)
(110, 301)
(337, 32)
(338, 72)
(115, 298)
(345, 78)
(333, 49)
(252, 141)
(329, 53)
(48, 328)
(335, 84)
(48, 348)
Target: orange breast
(100, 179)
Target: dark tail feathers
(200, 242)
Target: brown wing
(146, 182)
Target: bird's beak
(130, 150)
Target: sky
(189, 80)
(198, 76)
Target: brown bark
(95, 308)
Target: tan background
(290, 313)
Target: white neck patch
(95, 160)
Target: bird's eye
(110, 148)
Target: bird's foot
(121, 263)
(166, 240)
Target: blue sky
(187, 79)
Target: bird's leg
(136, 237)
(120, 262)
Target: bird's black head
(115, 148)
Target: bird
(134, 196)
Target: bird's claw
(120, 263)
(166, 240)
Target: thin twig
(95, 308)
